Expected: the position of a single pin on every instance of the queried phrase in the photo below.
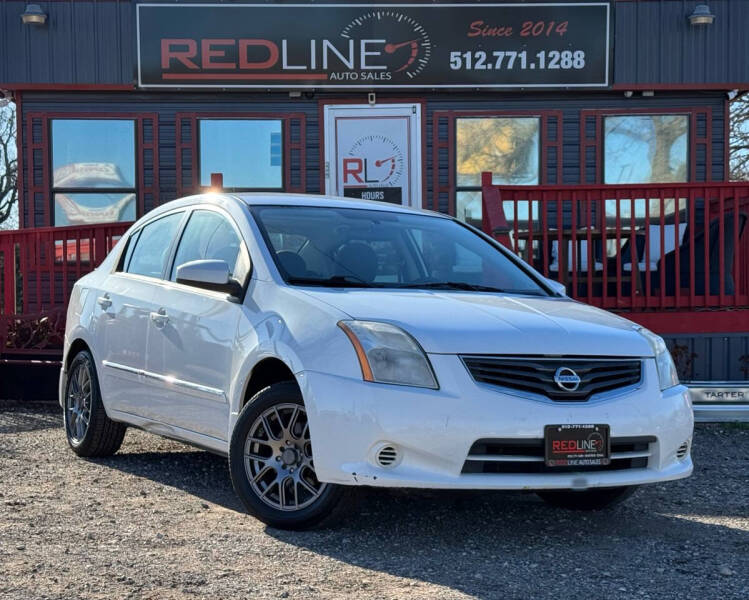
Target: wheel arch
(265, 372)
(76, 346)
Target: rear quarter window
(127, 255)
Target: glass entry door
(374, 152)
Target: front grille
(536, 374)
(527, 456)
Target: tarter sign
(541, 45)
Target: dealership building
(601, 129)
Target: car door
(191, 348)
(122, 317)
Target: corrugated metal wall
(711, 357)
(655, 44)
(92, 42)
(82, 43)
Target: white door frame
(411, 110)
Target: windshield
(346, 247)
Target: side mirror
(209, 275)
(557, 286)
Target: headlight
(387, 354)
(667, 374)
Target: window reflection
(645, 148)
(468, 207)
(506, 146)
(82, 209)
(248, 152)
(93, 170)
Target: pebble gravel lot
(160, 520)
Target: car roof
(319, 200)
(283, 199)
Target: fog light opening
(683, 451)
(387, 455)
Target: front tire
(594, 499)
(270, 462)
(90, 432)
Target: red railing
(40, 266)
(631, 248)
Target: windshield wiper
(335, 281)
(462, 285)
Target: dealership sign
(542, 45)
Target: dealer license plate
(577, 445)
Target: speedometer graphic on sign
(374, 160)
(407, 48)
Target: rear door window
(151, 250)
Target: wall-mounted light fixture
(701, 15)
(33, 15)
(648, 93)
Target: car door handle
(159, 318)
(104, 301)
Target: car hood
(483, 323)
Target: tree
(8, 168)
(739, 138)
(504, 146)
(627, 137)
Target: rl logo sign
(356, 170)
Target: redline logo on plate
(354, 45)
(594, 443)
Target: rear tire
(90, 432)
(594, 499)
(270, 462)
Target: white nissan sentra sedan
(322, 343)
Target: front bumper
(433, 430)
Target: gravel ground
(160, 520)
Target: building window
(248, 152)
(93, 171)
(646, 149)
(509, 147)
